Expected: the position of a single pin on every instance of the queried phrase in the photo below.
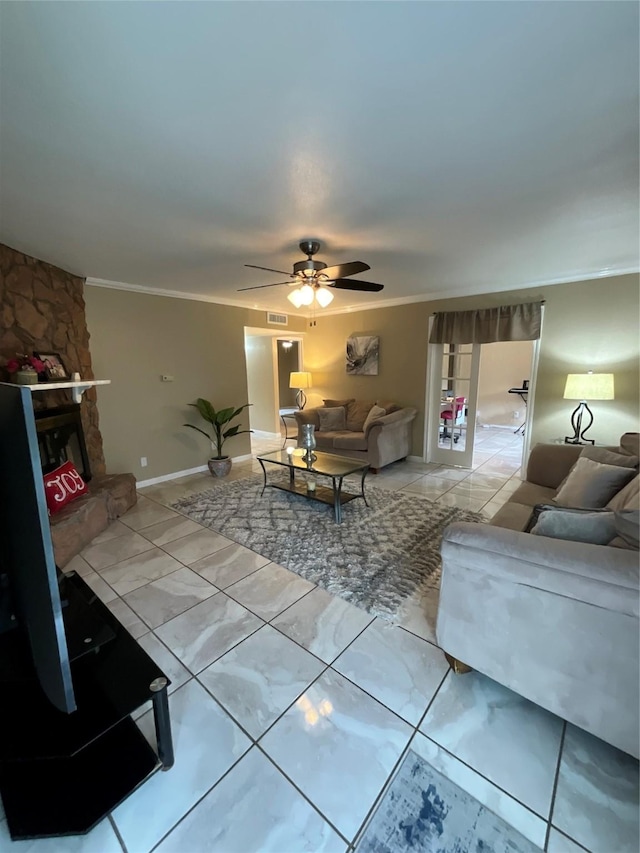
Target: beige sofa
(554, 620)
(379, 440)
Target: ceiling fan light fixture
(306, 294)
(324, 297)
(295, 298)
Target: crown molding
(432, 296)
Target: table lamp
(583, 387)
(300, 380)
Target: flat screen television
(26, 550)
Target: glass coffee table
(323, 464)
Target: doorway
(270, 357)
(478, 394)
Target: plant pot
(220, 467)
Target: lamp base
(578, 436)
(301, 399)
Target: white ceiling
(455, 147)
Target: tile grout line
(555, 785)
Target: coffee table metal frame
(336, 468)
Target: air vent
(277, 319)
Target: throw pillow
(375, 413)
(627, 498)
(333, 404)
(63, 486)
(357, 412)
(597, 528)
(592, 484)
(388, 405)
(609, 457)
(333, 418)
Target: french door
(452, 402)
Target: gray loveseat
(554, 620)
(383, 438)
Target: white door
(453, 394)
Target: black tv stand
(60, 774)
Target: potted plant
(219, 465)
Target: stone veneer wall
(42, 310)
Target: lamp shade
(589, 386)
(299, 379)
(324, 297)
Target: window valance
(488, 325)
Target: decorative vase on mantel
(25, 376)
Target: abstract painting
(362, 355)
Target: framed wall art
(362, 355)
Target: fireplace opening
(61, 439)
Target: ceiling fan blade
(259, 286)
(354, 284)
(268, 269)
(341, 270)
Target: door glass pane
(463, 366)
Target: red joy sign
(63, 486)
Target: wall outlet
(143, 461)
(166, 377)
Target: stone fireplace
(42, 310)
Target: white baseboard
(272, 436)
(512, 427)
(415, 459)
(175, 475)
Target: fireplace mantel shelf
(77, 388)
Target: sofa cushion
(332, 404)
(592, 484)
(609, 457)
(350, 441)
(513, 516)
(357, 411)
(627, 498)
(531, 494)
(598, 528)
(332, 418)
(324, 440)
(374, 413)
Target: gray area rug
(378, 557)
(423, 812)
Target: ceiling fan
(313, 278)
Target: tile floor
(291, 709)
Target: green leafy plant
(218, 420)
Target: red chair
(450, 420)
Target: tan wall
(588, 325)
(503, 366)
(135, 338)
(402, 365)
(261, 383)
